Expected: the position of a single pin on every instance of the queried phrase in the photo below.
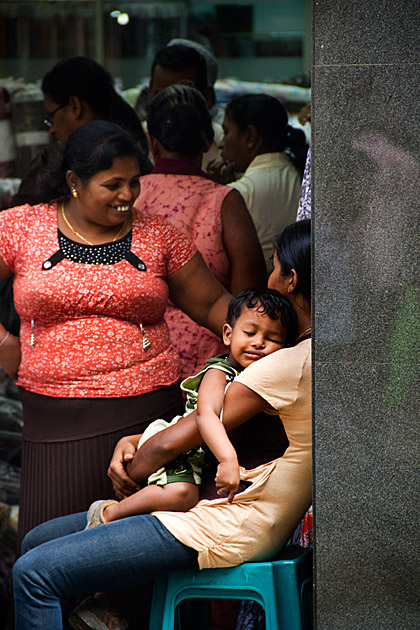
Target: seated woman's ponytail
(270, 119)
(296, 147)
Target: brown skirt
(64, 468)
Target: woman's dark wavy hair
(87, 79)
(268, 302)
(270, 119)
(293, 251)
(179, 118)
(89, 150)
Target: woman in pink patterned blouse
(211, 215)
(92, 278)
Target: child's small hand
(227, 479)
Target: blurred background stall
(262, 46)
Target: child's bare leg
(179, 496)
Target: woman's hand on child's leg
(124, 452)
(227, 478)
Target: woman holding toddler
(63, 559)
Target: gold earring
(289, 289)
(74, 192)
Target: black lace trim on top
(104, 254)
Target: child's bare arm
(209, 406)
(164, 447)
(240, 405)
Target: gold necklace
(79, 235)
(305, 332)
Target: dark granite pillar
(365, 205)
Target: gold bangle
(4, 338)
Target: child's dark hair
(267, 302)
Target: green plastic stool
(283, 587)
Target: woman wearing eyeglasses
(77, 91)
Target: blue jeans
(62, 559)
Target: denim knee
(28, 542)
(32, 574)
(53, 529)
(22, 570)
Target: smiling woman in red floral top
(92, 278)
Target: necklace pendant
(146, 342)
(32, 338)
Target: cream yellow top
(261, 519)
(271, 188)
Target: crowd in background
(128, 241)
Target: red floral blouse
(80, 332)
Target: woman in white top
(271, 154)
(62, 559)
